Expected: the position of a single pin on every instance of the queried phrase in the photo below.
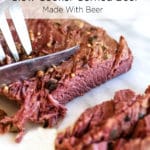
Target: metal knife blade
(27, 68)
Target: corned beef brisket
(42, 98)
(122, 123)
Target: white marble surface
(137, 33)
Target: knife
(27, 68)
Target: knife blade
(27, 68)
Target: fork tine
(8, 36)
(2, 54)
(20, 25)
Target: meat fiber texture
(42, 98)
(122, 123)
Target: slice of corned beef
(140, 137)
(112, 123)
(42, 97)
(138, 144)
